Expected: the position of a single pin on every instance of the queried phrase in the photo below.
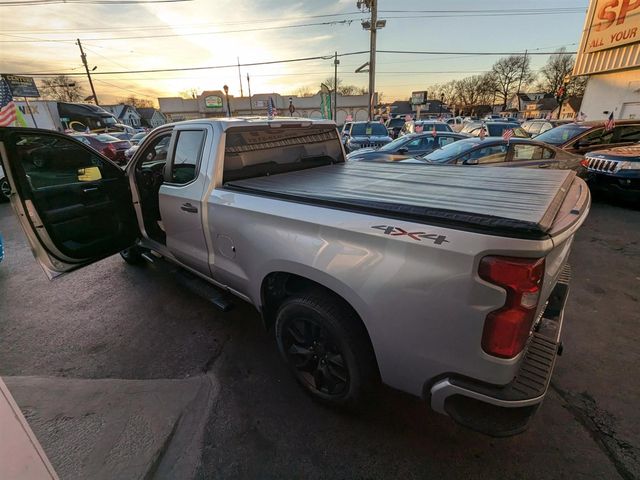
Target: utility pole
(372, 25)
(240, 78)
(250, 101)
(336, 62)
(524, 64)
(83, 56)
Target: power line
(168, 35)
(30, 3)
(292, 60)
(126, 89)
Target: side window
(596, 137)
(414, 144)
(156, 151)
(547, 153)
(527, 152)
(445, 141)
(629, 133)
(187, 156)
(50, 161)
(491, 154)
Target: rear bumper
(503, 410)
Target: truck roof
(228, 122)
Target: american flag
(507, 134)
(272, 111)
(7, 107)
(610, 123)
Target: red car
(111, 147)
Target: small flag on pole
(610, 123)
(507, 134)
(7, 106)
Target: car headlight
(629, 165)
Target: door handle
(187, 207)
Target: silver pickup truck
(445, 282)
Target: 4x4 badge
(418, 236)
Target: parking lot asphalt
(111, 322)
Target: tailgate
(571, 214)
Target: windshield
(440, 127)
(396, 122)
(398, 142)
(369, 128)
(561, 134)
(449, 151)
(497, 129)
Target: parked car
(615, 170)
(444, 282)
(366, 134)
(123, 135)
(1, 249)
(137, 138)
(413, 144)
(110, 146)
(456, 123)
(496, 151)
(535, 127)
(427, 125)
(394, 125)
(494, 129)
(492, 118)
(584, 137)
(5, 189)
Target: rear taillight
(507, 329)
(109, 151)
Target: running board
(204, 289)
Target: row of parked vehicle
(609, 158)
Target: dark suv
(584, 137)
(615, 170)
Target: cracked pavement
(246, 418)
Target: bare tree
(557, 71)
(508, 73)
(137, 102)
(189, 93)
(304, 91)
(345, 89)
(61, 89)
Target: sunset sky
(207, 32)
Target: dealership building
(213, 103)
(609, 55)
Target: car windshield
(398, 142)
(440, 127)
(368, 128)
(396, 122)
(449, 151)
(561, 134)
(497, 129)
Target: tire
(327, 349)
(132, 255)
(4, 189)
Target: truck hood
(629, 153)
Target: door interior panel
(82, 199)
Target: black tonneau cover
(517, 202)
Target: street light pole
(226, 94)
(373, 5)
(336, 62)
(250, 101)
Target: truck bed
(516, 202)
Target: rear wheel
(5, 190)
(327, 349)
(132, 255)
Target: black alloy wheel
(315, 356)
(5, 190)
